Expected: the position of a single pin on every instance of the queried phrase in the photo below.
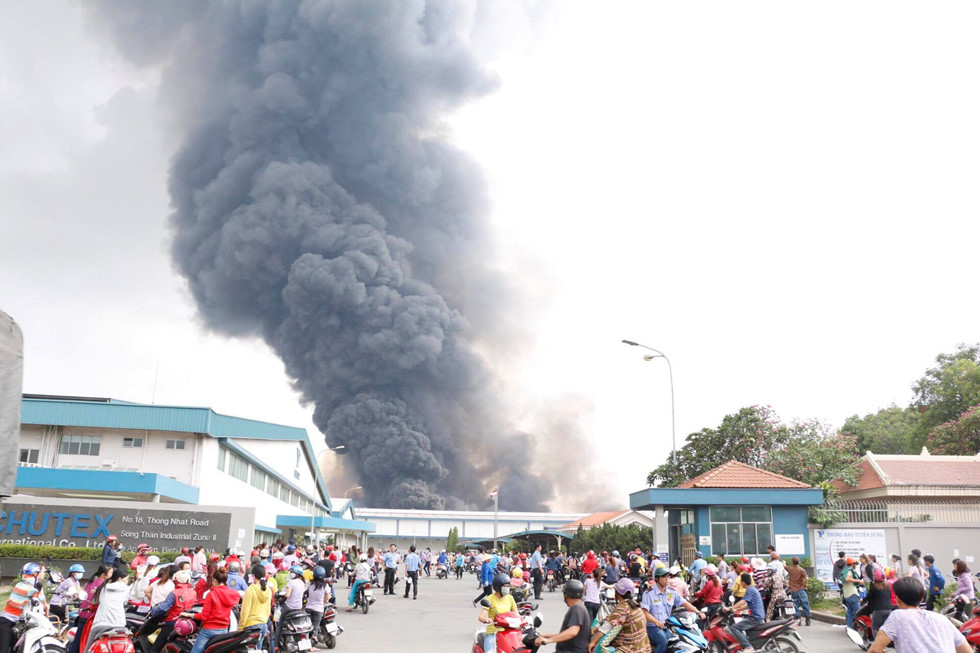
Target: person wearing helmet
(111, 600)
(236, 580)
(677, 582)
(139, 560)
(712, 591)
(67, 590)
(19, 600)
(317, 596)
(257, 605)
(167, 612)
(574, 634)
(109, 550)
(290, 558)
(500, 602)
(658, 603)
(362, 574)
(624, 630)
(696, 568)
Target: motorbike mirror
(731, 599)
(485, 603)
(82, 595)
(538, 620)
(855, 637)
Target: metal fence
(865, 512)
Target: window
(132, 443)
(258, 478)
(29, 455)
(80, 445)
(294, 499)
(272, 487)
(222, 455)
(283, 493)
(175, 444)
(742, 531)
(238, 468)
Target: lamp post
(649, 357)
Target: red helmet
(184, 626)
(143, 546)
(111, 538)
(215, 557)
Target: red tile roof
(734, 474)
(595, 519)
(929, 470)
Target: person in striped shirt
(18, 603)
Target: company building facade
(170, 467)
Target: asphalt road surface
(443, 619)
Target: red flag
(493, 493)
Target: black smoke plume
(319, 204)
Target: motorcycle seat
(768, 624)
(227, 641)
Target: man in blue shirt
(696, 567)
(412, 564)
(390, 559)
(757, 614)
(658, 603)
(537, 571)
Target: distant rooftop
(734, 474)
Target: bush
(69, 553)
(815, 590)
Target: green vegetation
(452, 542)
(610, 538)
(68, 553)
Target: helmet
(362, 557)
(76, 567)
(573, 589)
(215, 557)
(675, 570)
(111, 538)
(234, 565)
(616, 553)
(152, 560)
(660, 572)
(184, 627)
(264, 553)
(142, 547)
(516, 572)
(296, 569)
(523, 556)
(319, 572)
(31, 569)
(710, 572)
(499, 581)
(277, 555)
(290, 548)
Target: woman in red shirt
(215, 617)
(711, 592)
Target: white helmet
(153, 560)
(362, 557)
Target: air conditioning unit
(110, 464)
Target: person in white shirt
(111, 597)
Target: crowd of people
(869, 587)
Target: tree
(611, 538)
(959, 437)
(452, 542)
(748, 436)
(947, 390)
(889, 431)
(816, 457)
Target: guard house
(734, 509)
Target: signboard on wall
(790, 544)
(163, 530)
(853, 542)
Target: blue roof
(649, 498)
(301, 521)
(124, 415)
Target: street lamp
(353, 489)
(340, 449)
(649, 357)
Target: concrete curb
(828, 618)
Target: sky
(781, 197)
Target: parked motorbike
(295, 629)
(770, 635)
(971, 630)
(36, 634)
(235, 641)
(329, 628)
(518, 634)
(114, 641)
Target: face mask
(76, 575)
(505, 590)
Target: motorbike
(235, 641)
(349, 570)
(329, 628)
(685, 636)
(441, 571)
(518, 633)
(37, 634)
(552, 581)
(294, 627)
(114, 641)
(971, 630)
(364, 597)
(954, 612)
(520, 593)
(767, 636)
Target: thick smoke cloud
(318, 204)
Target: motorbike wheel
(364, 606)
(783, 644)
(329, 641)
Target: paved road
(443, 620)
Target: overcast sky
(782, 197)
